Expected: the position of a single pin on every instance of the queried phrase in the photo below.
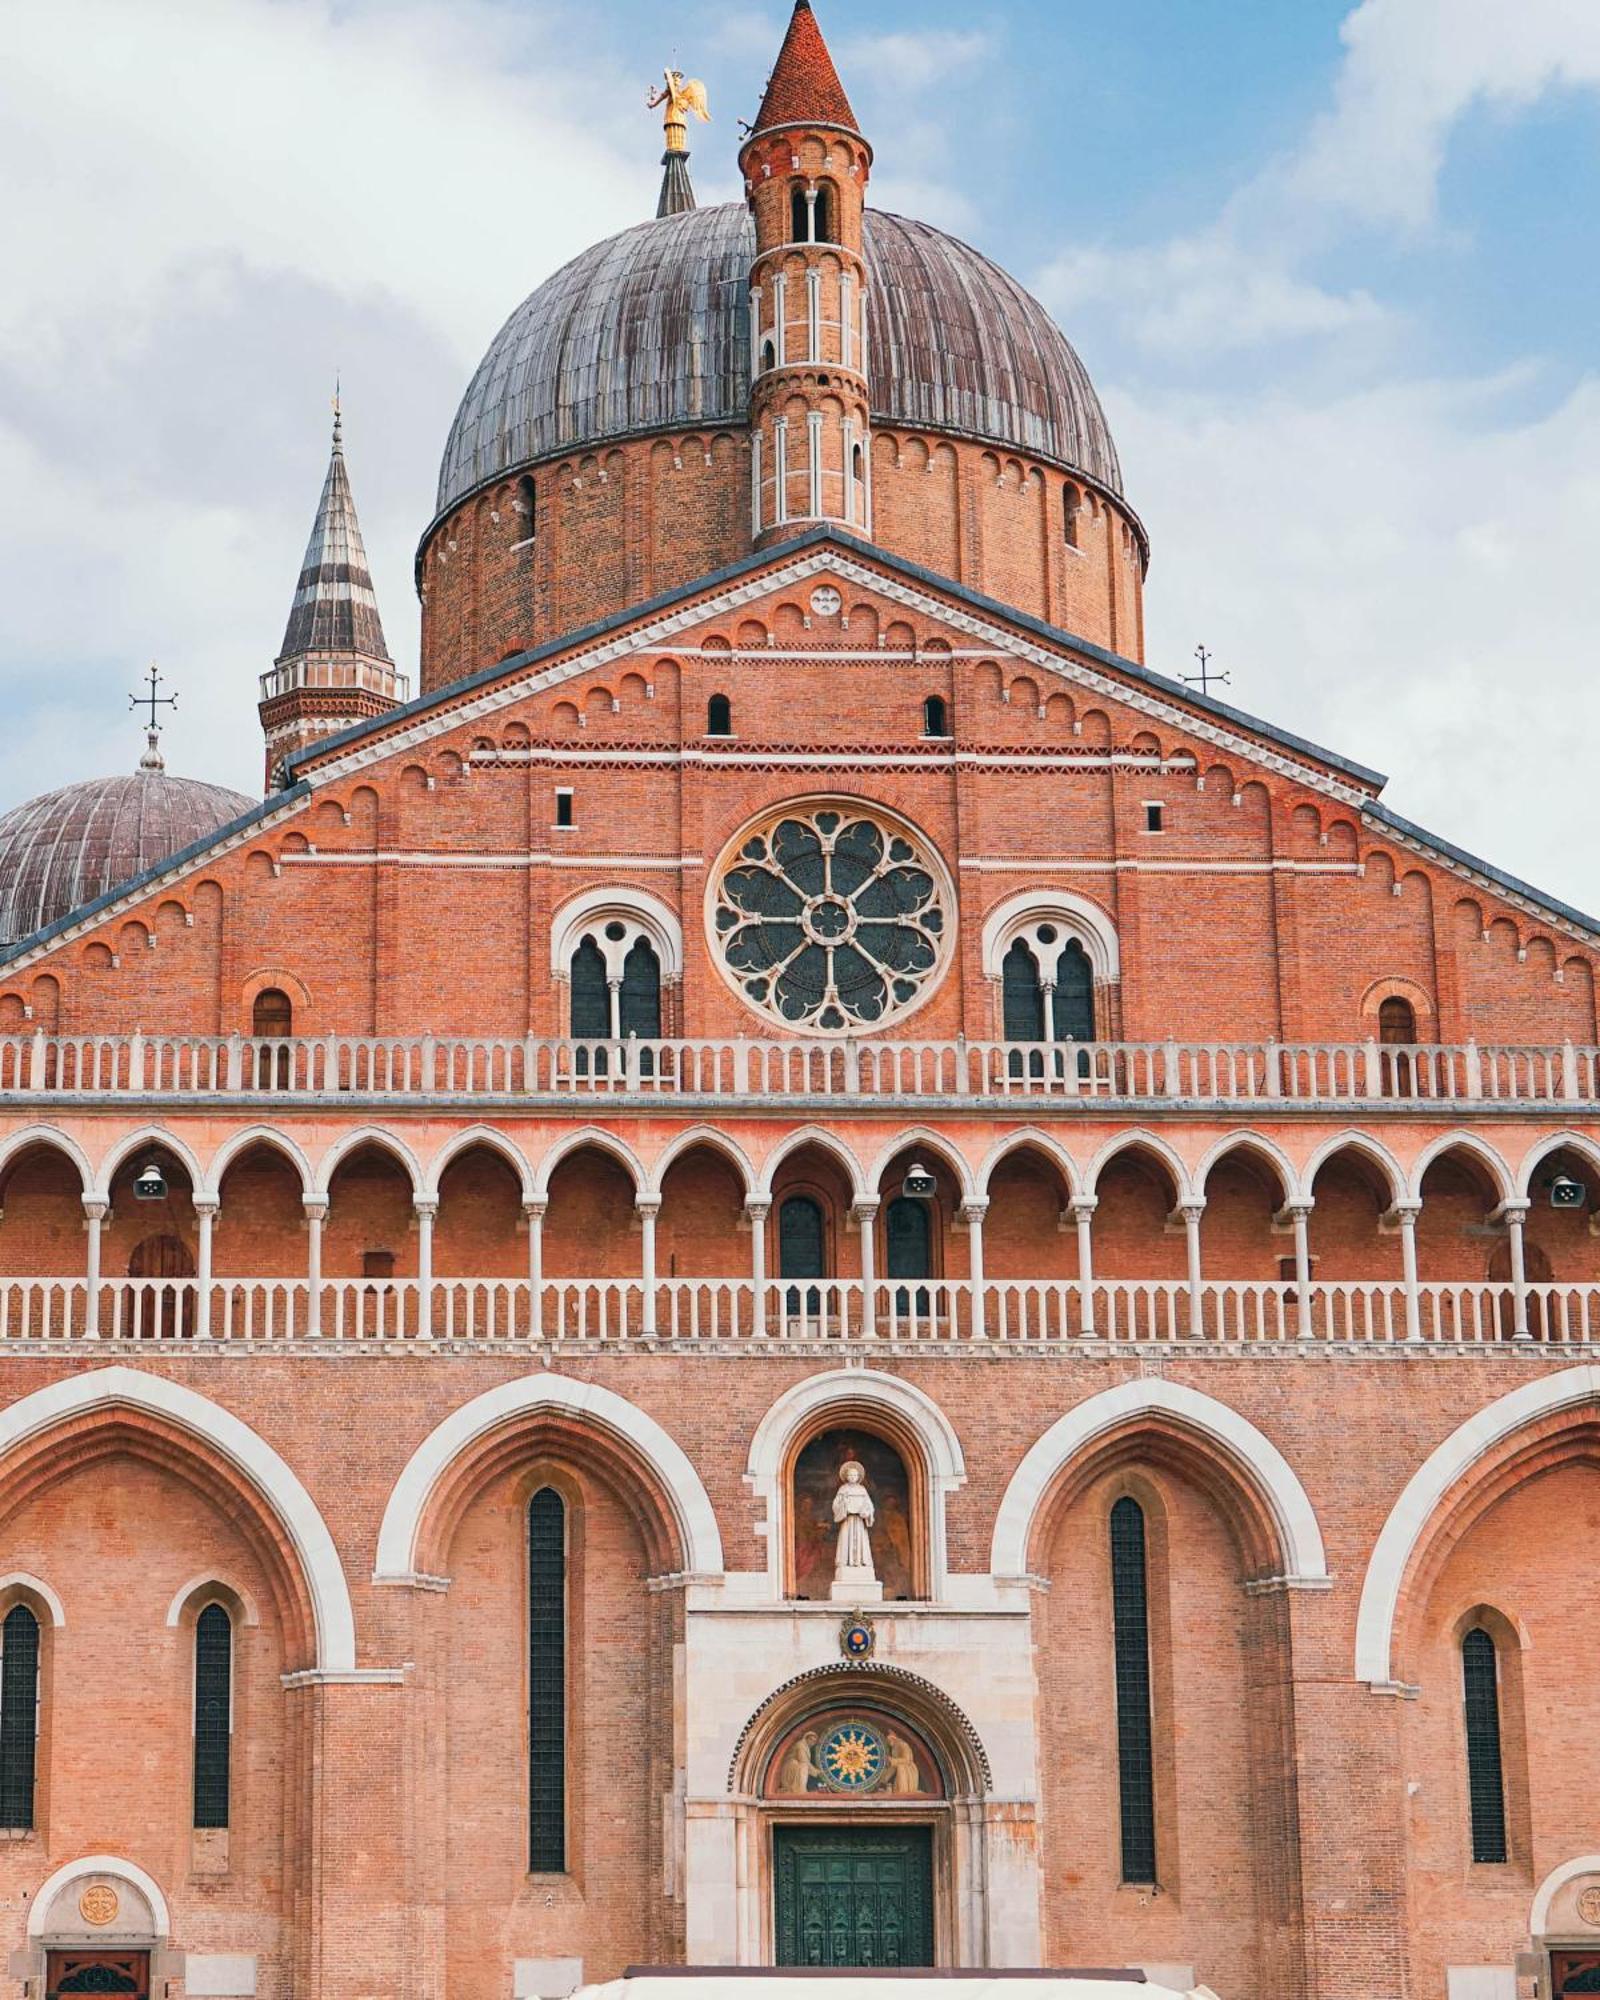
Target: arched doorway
(860, 1794)
(161, 1311)
(73, 1972)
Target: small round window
(831, 918)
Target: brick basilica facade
(793, 991)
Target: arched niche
(899, 1528)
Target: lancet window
(1486, 1796)
(547, 1683)
(19, 1715)
(1130, 1620)
(213, 1716)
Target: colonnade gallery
(800, 1269)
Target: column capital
(95, 1210)
(205, 1205)
(758, 1207)
(1082, 1206)
(426, 1207)
(315, 1206)
(864, 1211)
(1406, 1212)
(534, 1211)
(647, 1206)
(1191, 1211)
(1512, 1211)
(1298, 1207)
(974, 1211)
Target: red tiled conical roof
(804, 88)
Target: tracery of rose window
(831, 918)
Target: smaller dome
(65, 848)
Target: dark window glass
(563, 808)
(591, 998)
(525, 525)
(935, 717)
(1485, 1782)
(98, 1979)
(19, 1714)
(1072, 1003)
(1022, 997)
(802, 1249)
(1154, 819)
(213, 1704)
(547, 1683)
(908, 1243)
(799, 215)
(1130, 1619)
(719, 716)
(640, 1009)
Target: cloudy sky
(1334, 267)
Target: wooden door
(167, 1310)
(73, 1972)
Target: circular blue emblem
(856, 1638)
(852, 1757)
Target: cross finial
(151, 760)
(338, 415)
(1205, 677)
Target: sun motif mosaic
(852, 1757)
(831, 919)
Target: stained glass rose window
(831, 919)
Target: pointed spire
(335, 608)
(804, 87)
(677, 190)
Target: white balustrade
(253, 1312)
(564, 1067)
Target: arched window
(213, 1715)
(1130, 1623)
(823, 230)
(1021, 995)
(19, 1715)
(591, 998)
(719, 716)
(524, 525)
(1486, 1794)
(802, 1250)
(1397, 1031)
(799, 214)
(1071, 502)
(639, 1004)
(908, 1251)
(769, 357)
(547, 1683)
(935, 716)
(272, 1020)
(1072, 1004)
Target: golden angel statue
(680, 95)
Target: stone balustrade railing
(340, 1313)
(429, 1066)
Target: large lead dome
(651, 331)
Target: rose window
(830, 920)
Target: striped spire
(335, 608)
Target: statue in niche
(853, 1574)
(799, 1766)
(903, 1775)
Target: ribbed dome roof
(651, 330)
(64, 849)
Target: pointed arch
(143, 1140)
(1028, 1138)
(701, 1135)
(1557, 1142)
(185, 1410)
(574, 1142)
(240, 1143)
(1372, 1150)
(1401, 1536)
(1258, 1462)
(1138, 1140)
(922, 1138)
(825, 1142)
(35, 1586)
(30, 1136)
(492, 1141)
(1463, 1142)
(381, 1141)
(1243, 1141)
(699, 1539)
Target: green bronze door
(854, 1895)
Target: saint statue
(904, 1777)
(799, 1766)
(854, 1512)
(680, 95)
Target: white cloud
(916, 62)
(1403, 575)
(1412, 69)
